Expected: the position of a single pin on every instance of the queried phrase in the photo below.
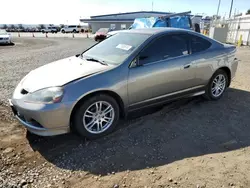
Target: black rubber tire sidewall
(209, 94)
(77, 120)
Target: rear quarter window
(199, 44)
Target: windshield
(3, 32)
(114, 50)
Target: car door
(202, 58)
(162, 68)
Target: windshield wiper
(96, 60)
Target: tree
(5, 26)
(12, 26)
(41, 26)
(61, 26)
(20, 26)
(248, 11)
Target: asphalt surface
(188, 143)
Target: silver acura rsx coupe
(89, 92)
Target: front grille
(24, 92)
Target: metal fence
(239, 27)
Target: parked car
(5, 37)
(50, 29)
(71, 29)
(131, 70)
(101, 34)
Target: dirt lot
(189, 143)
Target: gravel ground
(188, 143)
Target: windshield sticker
(124, 47)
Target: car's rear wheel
(96, 117)
(217, 85)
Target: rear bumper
(234, 67)
(41, 119)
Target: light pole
(218, 9)
(230, 12)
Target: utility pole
(230, 12)
(152, 5)
(218, 9)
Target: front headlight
(47, 95)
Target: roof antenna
(152, 5)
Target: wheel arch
(107, 92)
(228, 72)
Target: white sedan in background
(5, 38)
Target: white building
(239, 26)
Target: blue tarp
(177, 22)
(143, 23)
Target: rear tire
(217, 85)
(96, 117)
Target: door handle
(187, 66)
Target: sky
(70, 11)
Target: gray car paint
(136, 86)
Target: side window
(165, 47)
(199, 44)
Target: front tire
(217, 85)
(96, 117)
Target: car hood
(60, 72)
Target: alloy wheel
(98, 117)
(218, 85)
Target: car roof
(164, 30)
(156, 30)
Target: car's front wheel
(96, 117)
(217, 85)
